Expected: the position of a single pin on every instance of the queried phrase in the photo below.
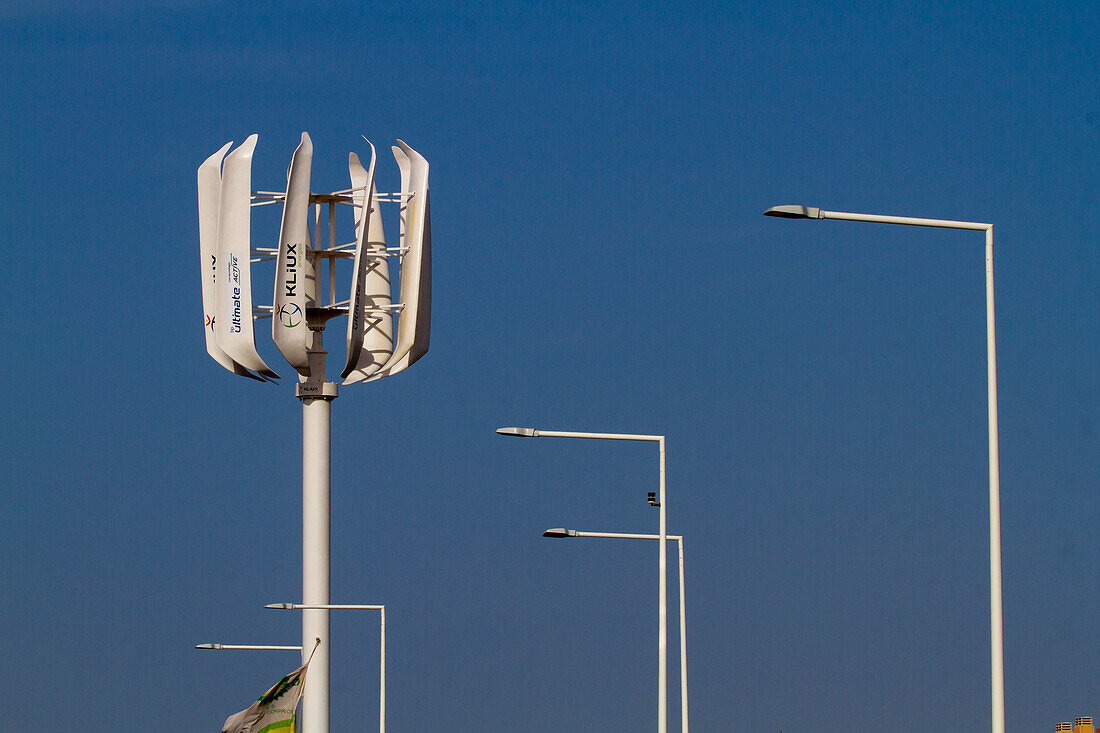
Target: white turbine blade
(361, 181)
(233, 285)
(370, 327)
(405, 168)
(210, 184)
(289, 329)
(414, 324)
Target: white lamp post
(996, 614)
(561, 532)
(248, 647)
(382, 643)
(662, 591)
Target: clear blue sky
(601, 263)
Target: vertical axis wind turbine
(299, 314)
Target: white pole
(679, 539)
(683, 644)
(316, 395)
(662, 617)
(912, 221)
(996, 600)
(382, 651)
(996, 612)
(382, 677)
(662, 589)
(316, 424)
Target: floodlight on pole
(561, 533)
(519, 432)
(794, 212)
(300, 311)
(996, 611)
(662, 554)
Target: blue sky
(600, 261)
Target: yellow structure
(1079, 725)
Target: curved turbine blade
(414, 324)
(370, 326)
(210, 185)
(289, 329)
(233, 285)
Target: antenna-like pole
(316, 430)
(316, 395)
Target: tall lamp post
(662, 590)
(996, 614)
(382, 643)
(561, 532)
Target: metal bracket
(316, 390)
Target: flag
(274, 712)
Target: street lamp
(662, 591)
(382, 644)
(996, 614)
(562, 533)
(248, 647)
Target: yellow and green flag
(274, 712)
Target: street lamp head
(790, 211)
(282, 606)
(560, 532)
(208, 646)
(519, 432)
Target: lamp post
(248, 647)
(561, 532)
(996, 614)
(382, 643)
(662, 591)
